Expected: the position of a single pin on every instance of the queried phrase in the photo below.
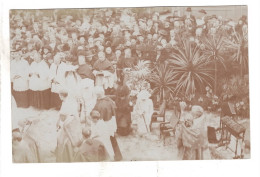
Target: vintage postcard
(129, 84)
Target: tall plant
(162, 80)
(191, 70)
(239, 46)
(213, 51)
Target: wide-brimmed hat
(144, 94)
(188, 9)
(202, 11)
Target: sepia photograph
(161, 83)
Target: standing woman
(144, 110)
(39, 83)
(19, 77)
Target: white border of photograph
(213, 168)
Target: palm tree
(240, 47)
(162, 81)
(214, 47)
(191, 70)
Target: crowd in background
(72, 62)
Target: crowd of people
(74, 62)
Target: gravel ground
(133, 148)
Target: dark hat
(80, 36)
(213, 16)
(188, 9)
(65, 47)
(202, 11)
(163, 32)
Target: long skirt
(55, 101)
(21, 98)
(123, 120)
(40, 99)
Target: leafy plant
(239, 46)
(213, 51)
(162, 81)
(191, 70)
(142, 69)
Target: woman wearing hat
(143, 110)
(194, 136)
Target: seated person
(104, 71)
(85, 69)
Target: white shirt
(42, 82)
(20, 68)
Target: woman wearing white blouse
(19, 77)
(39, 83)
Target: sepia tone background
(163, 168)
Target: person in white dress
(88, 98)
(143, 111)
(39, 83)
(19, 77)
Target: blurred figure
(194, 136)
(101, 132)
(19, 77)
(90, 150)
(144, 110)
(123, 110)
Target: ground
(133, 148)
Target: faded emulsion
(129, 84)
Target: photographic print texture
(129, 84)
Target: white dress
(42, 82)
(143, 111)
